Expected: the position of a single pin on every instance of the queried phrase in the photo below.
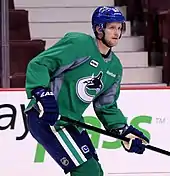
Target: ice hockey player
(63, 80)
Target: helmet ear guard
(100, 29)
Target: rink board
(147, 109)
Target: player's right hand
(47, 105)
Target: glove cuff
(120, 130)
(38, 91)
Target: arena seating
(47, 21)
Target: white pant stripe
(65, 146)
(74, 145)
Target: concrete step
(130, 44)
(142, 75)
(58, 30)
(63, 3)
(133, 59)
(72, 14)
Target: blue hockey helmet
(106, 14)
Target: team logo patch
(85, 85)
(85, 149)
(64, 161)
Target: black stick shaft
(107, 133)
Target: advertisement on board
(147, 110)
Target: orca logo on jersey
(88, 87)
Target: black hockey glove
(47, 104)
(137, 139)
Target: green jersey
(78, 75)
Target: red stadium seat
(21, 52)
(18, 24)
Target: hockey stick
(107, 133)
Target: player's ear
(99, 31)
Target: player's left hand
(137, 140)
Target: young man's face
(112, 33)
